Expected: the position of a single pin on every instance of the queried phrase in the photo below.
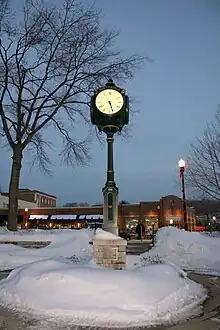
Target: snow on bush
(212, 233)
(151, 260)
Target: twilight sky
(177, 94)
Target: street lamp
(159, 216)
(25, 218)
(171, 222)
(214, 222)
(182, 165)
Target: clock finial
(110, 83)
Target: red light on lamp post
(214, 221)
(159, 216)
(25, 218)
(182, 165)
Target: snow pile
(102, 234)
(94, 296)
(36, 235)
(70, 243)
(189, 250)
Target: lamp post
(110, 191)
(159, 216)
(153, 235)
(214, 222)
(25, 218)
(171, 222)
(182, 165)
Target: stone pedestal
(110, 252)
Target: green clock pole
(110, 191)
(109, 111)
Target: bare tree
(203, 170)
(75, 204)
(50, 63)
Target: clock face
(109, 101)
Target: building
(22, 204)
(40, 198)
(166, 211)
(207, 212)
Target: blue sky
(176, 95)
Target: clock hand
(110, 105)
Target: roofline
(36, 191)
(71, 207)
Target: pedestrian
(140, 230)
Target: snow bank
(36, 235)
(67, 243)
(94, 296)
(189, 250)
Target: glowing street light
(182, 165)
(171, 222)
(25, 218)
(214, 221)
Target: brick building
(166, 211)
(206, 211)
(35, 196)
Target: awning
(94, 216)
(38, 216)
(64, 216)
(82, 216)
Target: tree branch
(204, 160)
(50, 65)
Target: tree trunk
(13, 188)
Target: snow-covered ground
(198, 252)
(62, 282)
(64, 243)
(37, 235)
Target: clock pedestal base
(110, 209)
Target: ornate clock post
(110, 112)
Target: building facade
(22, 204)
(166, 211)
(207, 213)
(40, 198)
